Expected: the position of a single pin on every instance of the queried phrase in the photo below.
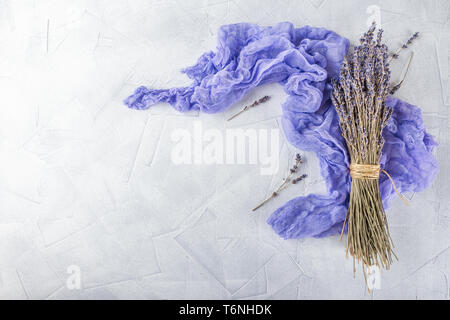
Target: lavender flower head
(363, 87)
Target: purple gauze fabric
(303, 60)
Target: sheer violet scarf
(303, 60)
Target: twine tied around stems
(372, 172)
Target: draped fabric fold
(303, 60)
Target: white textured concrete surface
(86, 182)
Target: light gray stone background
(88, 185)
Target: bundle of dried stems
(359, 96)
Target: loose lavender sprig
(254, 104)
(286, 181)
(409, 42)
(395, 88)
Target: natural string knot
(372, 172)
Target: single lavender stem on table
(409, 42)
(286, 181)
(395, 88)
(254, 104)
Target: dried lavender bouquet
(359, 96)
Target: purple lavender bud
(264, 99)
(394, 89)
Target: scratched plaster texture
(86, 182)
